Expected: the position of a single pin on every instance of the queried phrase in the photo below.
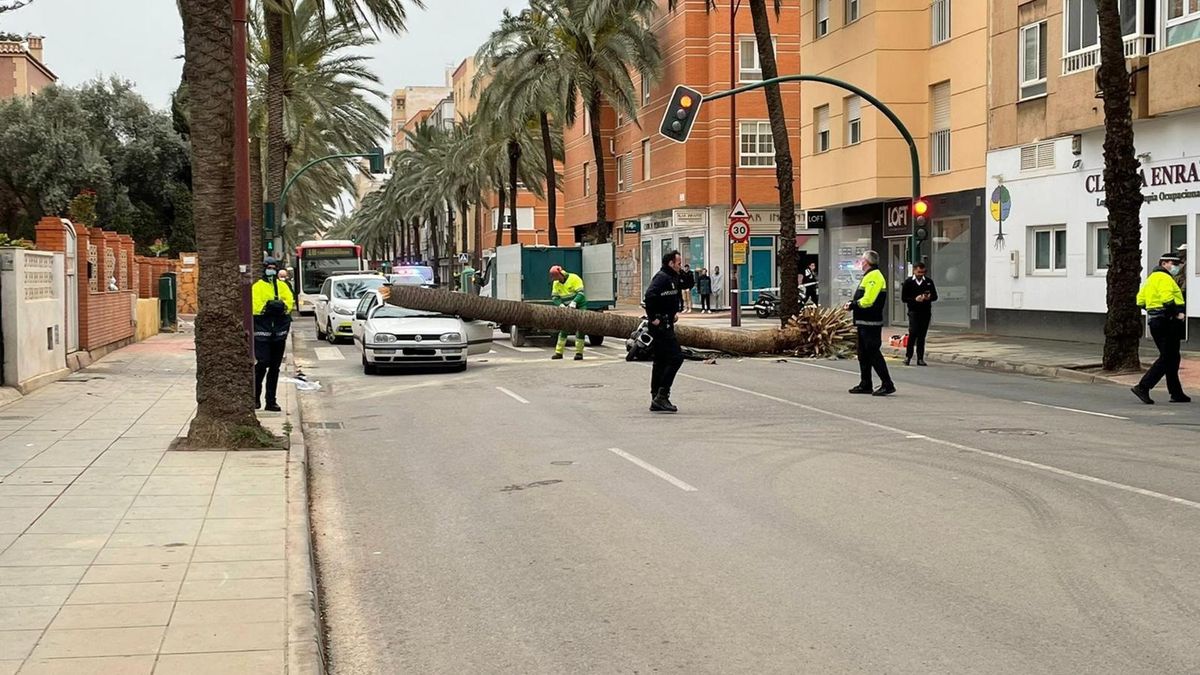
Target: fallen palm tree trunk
(815, 332)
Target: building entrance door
(759, 271)
(897, 273)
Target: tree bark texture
(501, 195)
(1123, 197)
(276, 100)
(600, 232)
(514, 160)
(224, 373)
(789, 289)
(551, 178)
(433, 247)
(256, 202)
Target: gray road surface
(531, 516)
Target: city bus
(316, 260)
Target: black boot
(662, 402)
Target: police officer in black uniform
(662, 309)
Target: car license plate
(384, 351)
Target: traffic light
(920, 209)
(375, 159)
(270, 245)
(681, 114)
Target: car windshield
(407, 279)
(423, 271)
(354, 289)
(394, 312)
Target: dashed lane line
(511, 395)
(653, 469)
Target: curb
(1014, 367)
(305, 640)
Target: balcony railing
(1135, 45)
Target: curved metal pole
(306, 167)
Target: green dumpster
(168, 295)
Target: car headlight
(451, 337)
(343, 311)
(384, 337)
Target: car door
(479, 336)
(362, 312)
(321, 304)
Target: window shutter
(941, 106)
(854, 107)
(823, 118)
(628, 171)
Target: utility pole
(241, 162)
(735, 307)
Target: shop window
(1033, 61)
(821, 126)
(939, 137)
(757, 144)
(1049, 246)
(1098, 254)
(853, 120)
(1183, 21)
(941, 21)
(822, 18)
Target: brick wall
(109, 319)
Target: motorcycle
(767, 305)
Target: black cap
(1170, 257)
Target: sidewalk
(119, 556)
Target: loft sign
(1160, 177)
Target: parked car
(395, 337)
(339, 296)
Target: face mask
(270, 274)
(1176, 270)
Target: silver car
(394, 337)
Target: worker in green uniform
(868, 304)
(567, 291)
(1162, 299)
(273, 303)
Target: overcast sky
(139, 40)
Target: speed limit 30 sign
(739, 230)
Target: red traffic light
(920, 207)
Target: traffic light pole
(271, 213)
(914, 156)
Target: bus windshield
(317, 264)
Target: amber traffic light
(681, 114)
(920, 209)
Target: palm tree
(1123, 198)
(522, 65)
(599, 42)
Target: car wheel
(369, 368)
(329, 334)
(596, 340)
(320, 333)
(762, 312)
(517, 336)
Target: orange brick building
(22, 72)
(662, 195)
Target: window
(851, 11)
(1049, 250)
(940, 130)
(620, 174)
(1083, 29)
(1183, 21)
(1098, 258)
(853, 120)
(646, 159)
(645, 90)
(941, 21)
(821, 129)
(587, 179)
(627, 160)
(1037, 156)
(749, 66)
(587, 122)
(822, 18)
(758, 145)
(1033, 61)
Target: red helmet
(557, 271)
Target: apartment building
(926, 60)
(407, 102)
(1047, 274)
(662, 195)
(22, 71)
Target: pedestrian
(919, 294)
(273, 303)
(718, 287)
(662, 309)
(1163, 301)
(567, 290)
(867, 305)
(809, 283)
(286, 278)
(688, 279)
(704, 288)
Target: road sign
(739, 230)
(633, 226)
(739, 212)
(464, 258)
(739, 253)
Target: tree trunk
(514, 159)
(546, 317)
(450, 243)
(403, 228)
(276, 100)
(1123, 197)
(257, 249)
(551, 179)
(224, 374)
(415, 224)
(433, 247)
(789, 289)
(600, 232)
(463, 209)
(500, 196)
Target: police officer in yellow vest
(867, 305)
(273, 303)
(567, 290)
(1163, 301)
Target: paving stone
(17, 644)
(114, 615)
(26, 618)
(117, 574)
(149, 591)
(103, 665)
(58, 525)
(222, 663)
(234, 553)
(257, 569)
(223, 637)
(247, 538)
(231, 589)
(42, 576)
(38, 557)
(140, 555)
(99, 642)
(32, 596)
(229, 611)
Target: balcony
(1135, 45)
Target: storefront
(1047, 270)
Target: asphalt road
(532, 516)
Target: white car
(339, 296)
(394, 337)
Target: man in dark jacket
(662, 309)
(867, 305)
(919, 293)
(687, 281)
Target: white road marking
(653, 469)
(814, 365)
(527, 350)
(329, 354)
(1075, 410)
(511, 395)
(958, 446)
